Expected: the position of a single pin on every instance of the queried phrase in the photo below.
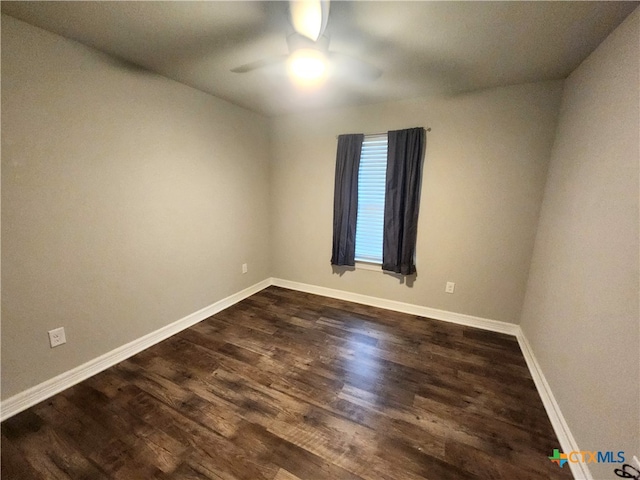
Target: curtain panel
(345, 199)
(402, 200)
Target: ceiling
(423, 48)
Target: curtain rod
(428, 129)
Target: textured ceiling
(423, 48)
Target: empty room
(320, 240)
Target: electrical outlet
(245, 268)
(57, 337)
(450, 287)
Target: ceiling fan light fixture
(307, 67)
(307, 18)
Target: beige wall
(128, 202)
(485, 168)
(581, 310)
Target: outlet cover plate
(57, 337)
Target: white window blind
(371, 193)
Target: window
(371, 194)
(375, 218)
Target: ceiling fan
(309, 60)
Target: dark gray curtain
(402, 200)
(345, 199)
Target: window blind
(371, 194)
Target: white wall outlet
(57, 337)
(450, 287)
(245, 268)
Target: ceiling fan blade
(324, 4)
(349, 65)
(265, 62)
(309, 17)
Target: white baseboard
(459, 318)
(567, 442)
(34, 395)
(48, 388)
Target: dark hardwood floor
(286, 385)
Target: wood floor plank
(101, 444)
(284, 475)
(287, 385)
(14, 463)
(293, 458)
